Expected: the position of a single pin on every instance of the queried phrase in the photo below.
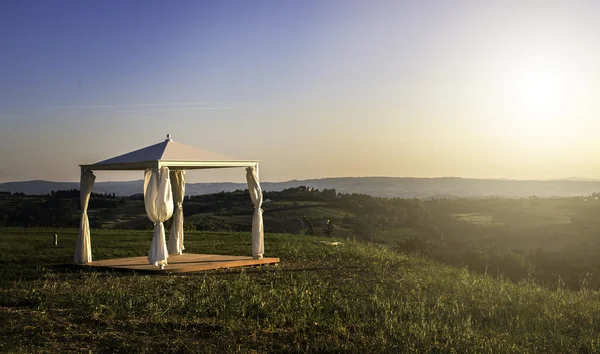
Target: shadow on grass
(70, 268)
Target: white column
(175, 245)
(158, 201)
(258, 244)
(83, 248)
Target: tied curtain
(176, 233)
(83, 249)
(258, 244)
(159, 208)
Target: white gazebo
(164, 166)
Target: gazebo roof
(171, 154)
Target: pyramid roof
(171, 154)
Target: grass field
(350, 298)
(314, 212)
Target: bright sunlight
(541, 92)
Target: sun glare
(538, 93)
(540, 96)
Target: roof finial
(169, 137)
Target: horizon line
(566, 179)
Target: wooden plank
(187, 262)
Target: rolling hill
(403, 187)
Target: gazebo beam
(181, 165)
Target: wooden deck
(187, 262)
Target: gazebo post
(83, 248)
(158, 202)
(175, 243)
(257, 219)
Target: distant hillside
(403, 187)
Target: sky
(312, 89)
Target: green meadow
(355, 297)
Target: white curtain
(258, 244)
(176, 232)
(83, 249)
(159, 208)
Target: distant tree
(311, 230)
(329, 194)
(415, 244)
